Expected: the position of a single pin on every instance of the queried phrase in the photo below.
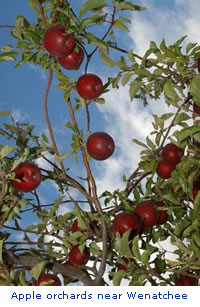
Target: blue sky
(22, 89)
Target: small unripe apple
(78, 258)
(89, 86)
(164, 169)
(125, 221)
(146, 210)
(100, 145)
(27, 177)
(57, 42)
(48, 280)
(162, 214)
(73, 60)
(196, 108)
(172, 153)
(76, 227)
(184, 280)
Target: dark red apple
(172, 153)
(146, 210)
(74, 60)
(162, 214)
(164, 169)
(57, 42)
(196, 108)
(76, 227)
(48, 280)
(89, 86)
(195, 189)
(78, 258)
(100, 145)
(198, 65)
(184, 280)
(29, 176)
(125, 221)
(122, 266)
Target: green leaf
(126, 78)
(65, 156)
(107, 60)
(123, 248)
(195, 89)
(8, 56)
(135, 247)
(7, 48)
(94, 249)
(160, 265)
(5, 113)
(21, 23)
(150, 143)
(37, 269)
(197, 204)
(44, 137)
(145, 257)
(134, 87)
(125, 5)
(91, 5)
(180, 118)
(190, 46)
(92, 39)
(126, 20)
(170, 94)
(118, 277)
(32, 35)
(92, 19)
(187, 132)
(139, 143)
(71, 126)
(6, 150)
(119, 25)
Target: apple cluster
(62, 45)
(76, 257)
(145, 215)
(171, 156)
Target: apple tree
(115, 236)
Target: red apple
(184, 280)
(73, 60)
(78, 258)
(125, 221)
(100, 145)
(196, 108)
(195, 189)
(76, 227)
(146, 210)
(48, 280)
(162, 214)
(172, 153)
(29, 176)
(57, 42)
(122, 266)
(164, 169)
(198, 65)
(89, 86)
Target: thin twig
(95, 200)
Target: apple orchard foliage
(163, 71)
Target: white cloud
(20, 116)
